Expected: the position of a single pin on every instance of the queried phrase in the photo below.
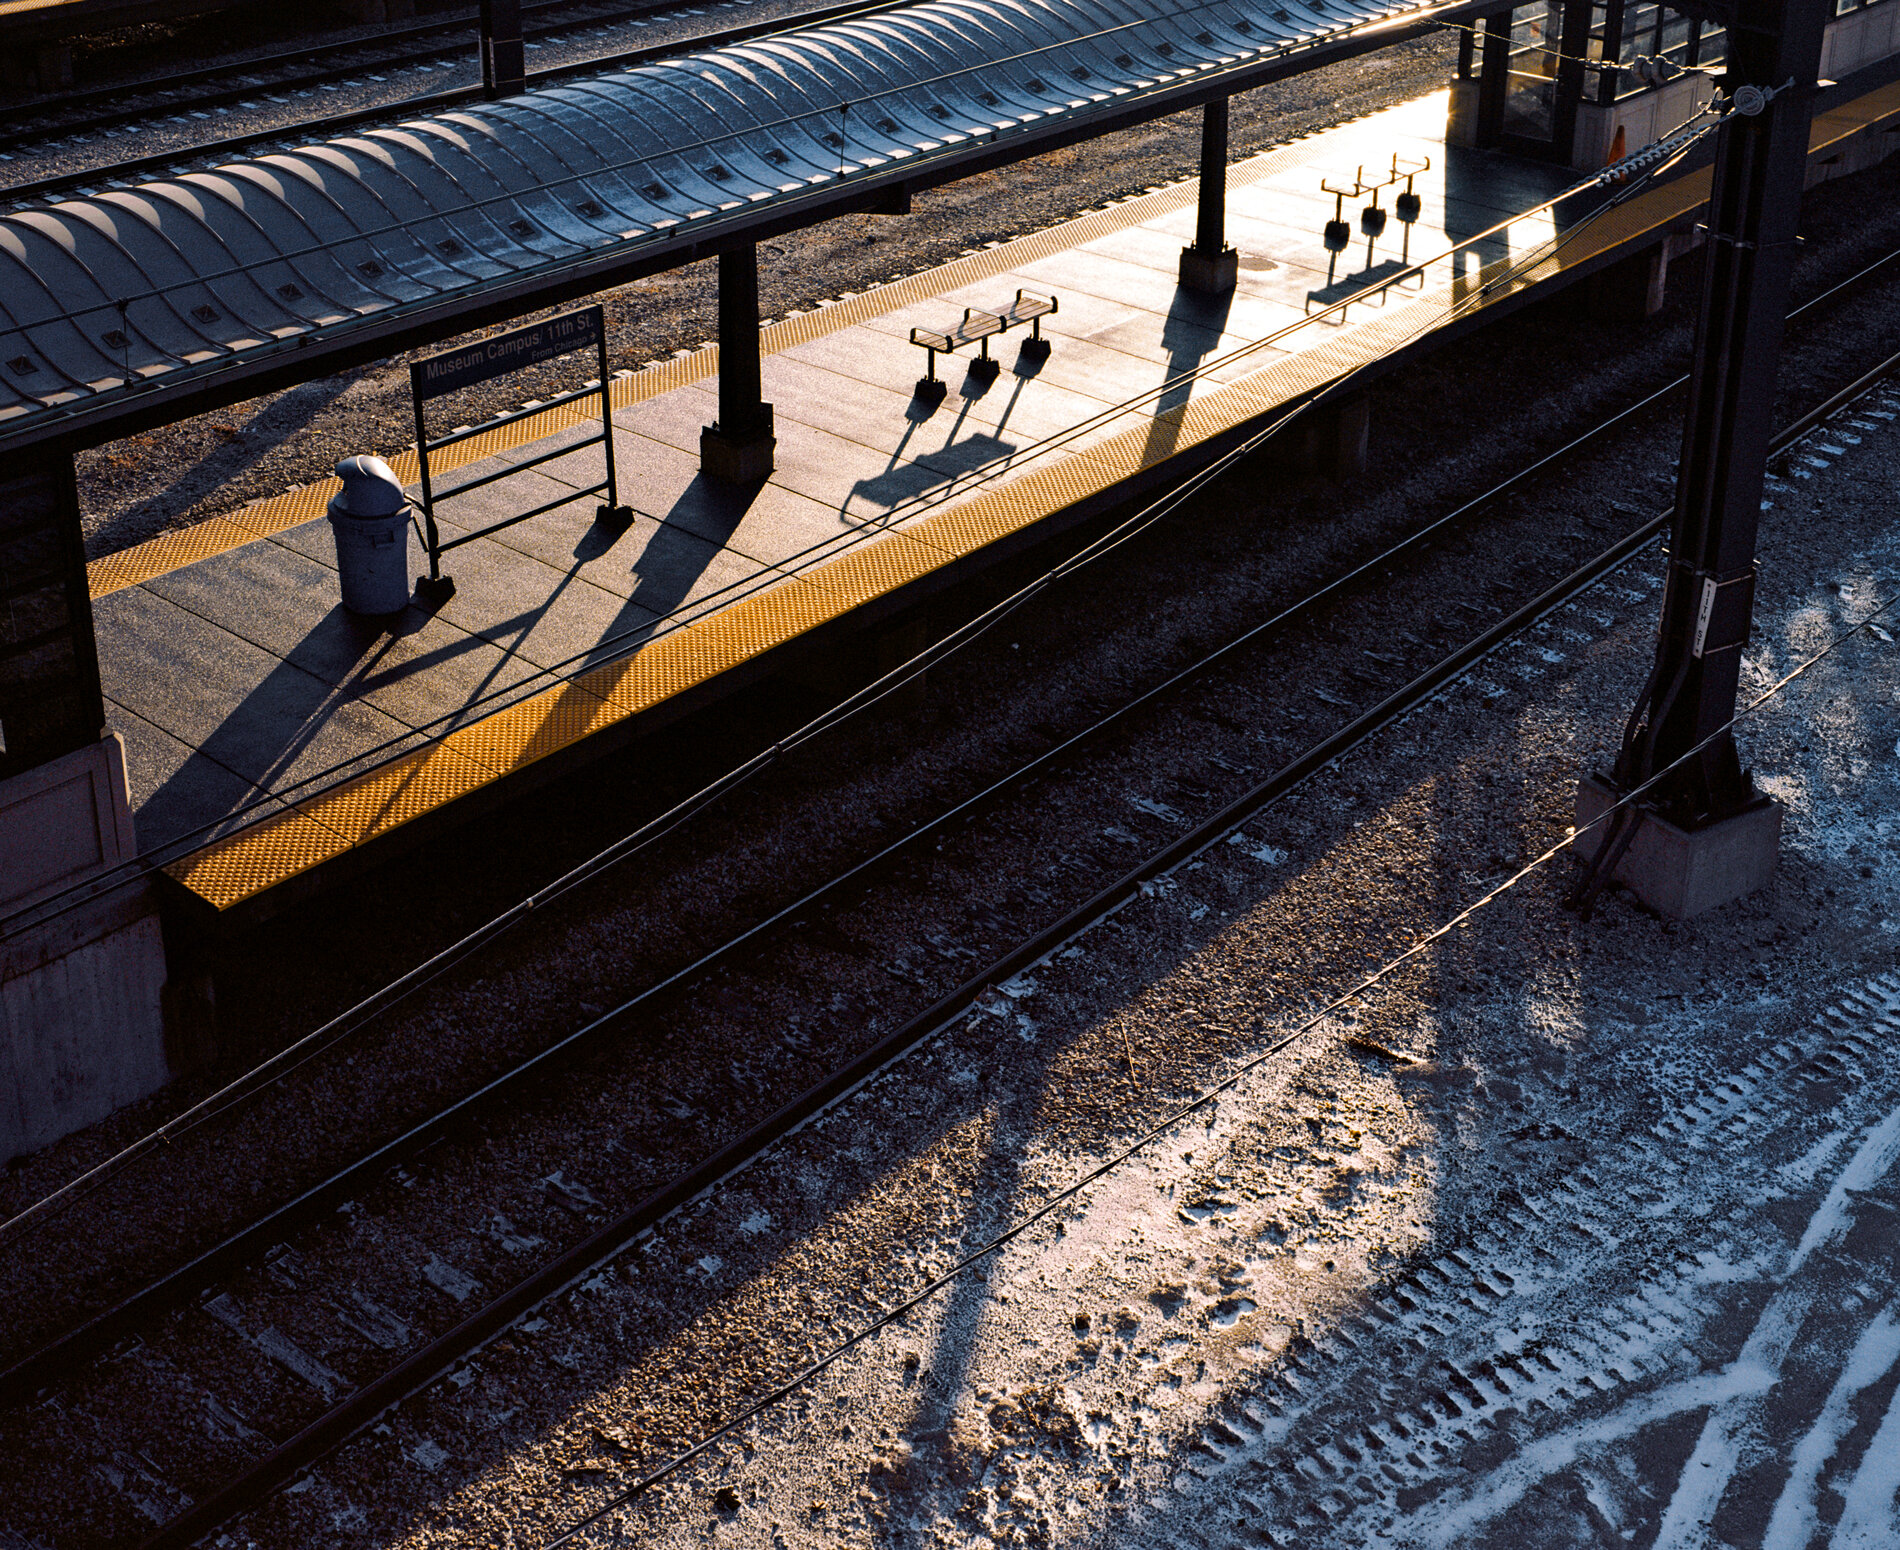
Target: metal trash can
(370, 518)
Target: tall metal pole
(504, 60)
(1761, 159)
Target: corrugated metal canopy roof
(170, 280)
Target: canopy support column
(1700, 833)
(504, 59)
(737, 447)
(1210, 265)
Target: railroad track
(325, 60)
(357, 67)
(330, 1310)
(1576, 1301)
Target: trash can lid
(370, 487)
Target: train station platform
(274, 740)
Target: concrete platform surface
(249, 700)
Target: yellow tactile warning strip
(658, 671)
(173, 551)
(255, 859)
(870, 570)
(265, 853)
(261, 519)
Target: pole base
(615, 519)
(741, 458)
(435, 590)
(1680, 873)
(930, 390)
(1213, 274)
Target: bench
(979, 326)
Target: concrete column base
(82, 1027)
(1213, 274)
(1633, 289)
(745, 458)
(1681, 873)
(1331, 439)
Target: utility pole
(1703, 835)
(504, 61)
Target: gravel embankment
(1258, 541)
(658, 1100)
(1570, 1162)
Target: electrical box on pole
(1698, 833)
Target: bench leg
(931, 387)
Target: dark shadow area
(269, 731)
(928, 471)
(1351, 285)
(1191, 333)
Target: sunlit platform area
(273, 737)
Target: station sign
(503, 353)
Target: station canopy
(160, 289)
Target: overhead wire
(368, 760)
(269, 1072)
(1159, 1128)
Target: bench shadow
(1348, 286)
(958, 456)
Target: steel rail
(956, 487)
(455, 1345)
(158, 161)
(463, 1340)
(22, 1379)
(283, 59)
(49, 132)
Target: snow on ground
(1569, 1233)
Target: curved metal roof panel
(159, 283)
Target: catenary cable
(1175, 1117)
(312, 1045)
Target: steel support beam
(737, 447)
(1210, 265)
(1679, 734)
(1760, 167)
(504, 59)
